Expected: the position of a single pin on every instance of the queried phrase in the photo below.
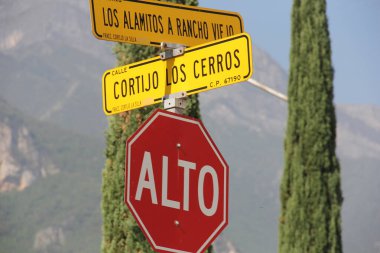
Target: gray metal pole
(268, 90)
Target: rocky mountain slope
(50, 64)
(50, 186)
(22, 161)
(50, 68)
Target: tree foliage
(120, 231)
(311, 195)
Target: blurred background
(52, 125)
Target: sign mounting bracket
(175, 102)
(171, 50)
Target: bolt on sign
(176, 183)
(149, 22)
(200, 68)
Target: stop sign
(176, 183)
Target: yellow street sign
(150, 22)
(200, 68)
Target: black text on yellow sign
(201, 68)
(150, 22)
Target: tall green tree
(311, 196)
(121, 233)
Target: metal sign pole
(174, 102)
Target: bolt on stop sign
(176, 183)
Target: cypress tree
(121, 233)
(311, 195)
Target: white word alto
(146, 181)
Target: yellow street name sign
(150, 22)
(200, 68)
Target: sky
(355, 36)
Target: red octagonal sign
(176, 183)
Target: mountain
(358, 150)
(22, 160)
(51, 67)
(221, 245)
(50, 186)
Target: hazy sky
(355, 35)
